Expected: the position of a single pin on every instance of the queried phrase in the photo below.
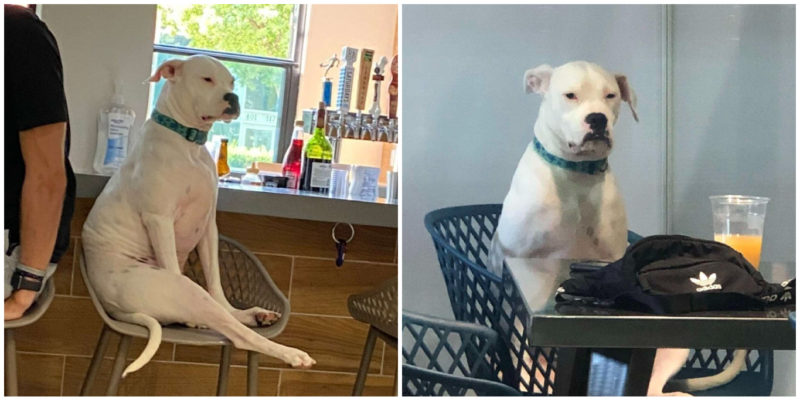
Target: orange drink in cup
(739, 223)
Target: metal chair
(245, 283)
(378, 308)
(31, 315)
(443, 357)
(462, 237)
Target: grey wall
(734, 125)
(734, 116)
(98, 44)
(468, 118)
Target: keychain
(341, 244)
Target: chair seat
(37, 309)
(180, 334)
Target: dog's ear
(538, 79)
(627, 94)
(167, 70)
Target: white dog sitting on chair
(158, 207)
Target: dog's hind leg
(187, 302)
(208, 251)
(666, 364)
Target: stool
(32, 315)
(378, 308)
(245, 283)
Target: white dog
(564, 201)
(158, 207)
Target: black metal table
(577, 329)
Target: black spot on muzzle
(233, 101)
(597, 122)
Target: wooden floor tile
(319, 287)
(39, 375)
(336, 344)
(166, 379)
(310, 383)
(389, 361)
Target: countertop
(279, 202)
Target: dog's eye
(207, 79)
(610, 96)
(571, 96)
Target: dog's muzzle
(233, 101)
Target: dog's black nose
(233, 100)
(597, 121)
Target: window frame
(291, 68)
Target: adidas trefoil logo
(706, 282)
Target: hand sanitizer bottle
(113, 129)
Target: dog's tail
(152, 342)
(708, 382)
(496, 256)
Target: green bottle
(317, 158)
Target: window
(261, 45)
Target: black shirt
(34, 96)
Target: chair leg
(119, 363)
(97, 359)
(11, 364)
(252, 373)
(224, 369)
(369, 346)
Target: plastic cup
(338, 183)
(739, 223)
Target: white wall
(98, 44)
(468, 119)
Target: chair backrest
(448, 357)
(245, 281)
(377, 307)
(424, 382)
(462, 238)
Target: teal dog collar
(585, 167)
(190, 134)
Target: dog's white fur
(552, 212)
(157, 208)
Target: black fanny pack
(672, 274)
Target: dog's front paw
(298, 359)
(257, 316)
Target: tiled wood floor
(54, 353)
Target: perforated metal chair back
(245, 282)
(377, 307)
(452, 358)
(462, 237)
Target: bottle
(222, 163)
(114, 125)
(316, 173)
(293, 158)
(251, 177)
